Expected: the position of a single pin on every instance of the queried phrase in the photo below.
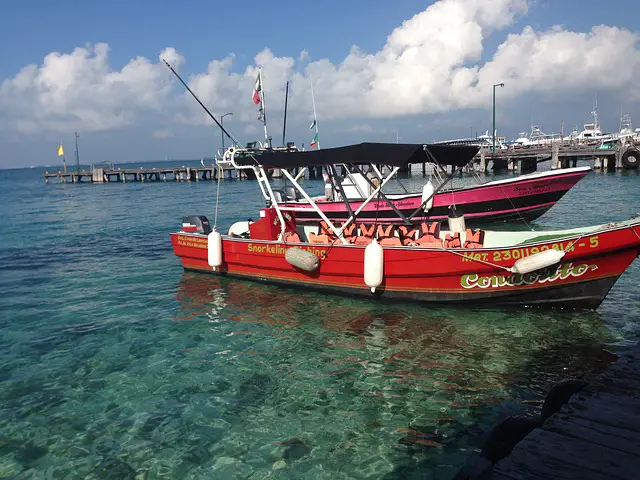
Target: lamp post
(222, 131)
(494, 115)
(77, 154)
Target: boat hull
(526, 197)
(462, 276)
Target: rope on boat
(514, 207)
(215, 219)
(495, 265)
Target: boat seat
(291, 193)
(240, 229)
(474, 238)
(279, 195)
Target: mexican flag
(257, 89)
(314, 142)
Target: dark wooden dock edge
(594, 435)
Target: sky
(389, 70)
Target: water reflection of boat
(466, 350)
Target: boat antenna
(229, 136)
(284, 123)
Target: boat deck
(594, 436)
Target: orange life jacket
(407, 234)
(452, 241)
(349, 233)
(362, 240)
(367, 229)
(291, 237)
(429, 231)
(313, 238)
(475, 239)
(385, 231)
(324, 229)
(391, 242)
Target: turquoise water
(114, 363)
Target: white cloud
(558, 61)
(80, 90)
(433, 62)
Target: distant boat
(482, 141)
(537, 137)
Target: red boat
(414, 261)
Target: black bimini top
(392, 154)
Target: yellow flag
(60, 151)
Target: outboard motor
(196, 224)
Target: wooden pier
(173, 174)
(561, 156)
(596, 435)
(593, 433)
(525, 159)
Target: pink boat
(523, 197)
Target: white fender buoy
(302, 259)
(373, 265)
(214, 249)
(539, 260)
(427, 193)
(456, 220)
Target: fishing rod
(229, 136)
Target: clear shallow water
(115, 363)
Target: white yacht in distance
(483, 141)
(536, 137)
(592, 132)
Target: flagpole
(64, 161)
(315, 120)
(264, 109)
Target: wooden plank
(544, 454)
(534, 468)
(616, 414)
(596, 433)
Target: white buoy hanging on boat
(373, 265)
(214, 249)
(427, 193)
(539, 260)
(456, 220)
(302, 259)
(328, 187)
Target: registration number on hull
(518, 253)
